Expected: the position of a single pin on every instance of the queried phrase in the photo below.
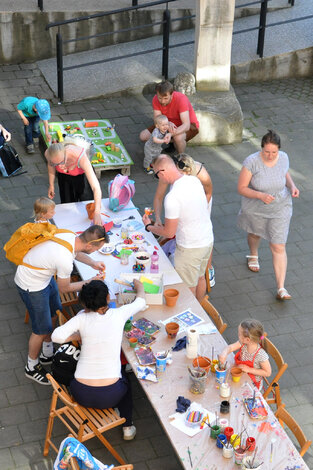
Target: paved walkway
(283, 105)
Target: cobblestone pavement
(284, 105)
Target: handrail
(107, 13)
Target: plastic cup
(161, 363)
(220, 375)
(228, 452)
(247, 463)
(197, 384)
(124, 258)
(240, 453)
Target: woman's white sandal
(283, 294)
(253, 263)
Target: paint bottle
(225, 390)
(228, 451)
(154, 268)
(192, 343)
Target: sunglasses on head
(181, 165)
(156, 175)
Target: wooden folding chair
(213, 314)
(207, 279)
(273, 386)
(74, 465)
(83, 423)
(285, 418)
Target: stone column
(214, 29)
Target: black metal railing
(40, 5)
(262, 23)
(166, 27)
(165, 23)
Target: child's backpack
(121, 190)
(30, 235)
(9, 162)
(64, 363)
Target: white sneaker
(129, 432)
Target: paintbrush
(190, 372)
(254, 456)
(215, 418)
(212, 353)
(271, 456)
(208, 424)
(189, 453)
(253, 400)
(124, 283)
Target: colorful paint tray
(255, 410)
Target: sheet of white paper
(206, 329)
(178, 419)
(185, 319)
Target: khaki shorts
(193, 131)
(191, 263)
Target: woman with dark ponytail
(98, 381)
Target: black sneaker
(148, 170)
(45, 360)
(38, 374)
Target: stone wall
(23, 37)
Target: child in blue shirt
(31, 110)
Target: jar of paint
(228, 451)
(215, 431)
(235, 440)
(250, 444)
(223, 423)
(225, 390)
(221, 439)
(228, 431)
(128, 325)
(224, 408)
(240, 453)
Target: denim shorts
(42, 305)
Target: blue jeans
(32, 130)
(42, 306)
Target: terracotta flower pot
(171, 296)
(90, 208)
(202, 362)
(172, 329)
(236, 373)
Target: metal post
(134, 3)
(40, 5)
(292, 2)
(262, 27)
(59, 46)
(166, 42)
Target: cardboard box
(151, 299)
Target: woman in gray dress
(266, 188)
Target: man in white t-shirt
(186, 216)
(40, 292)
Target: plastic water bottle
(154, 268)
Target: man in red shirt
(176, 106)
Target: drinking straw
(189, 453)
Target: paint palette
(147, 326)
(255, 410)
(107, 248)
(145, 356)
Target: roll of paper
(192, 343)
